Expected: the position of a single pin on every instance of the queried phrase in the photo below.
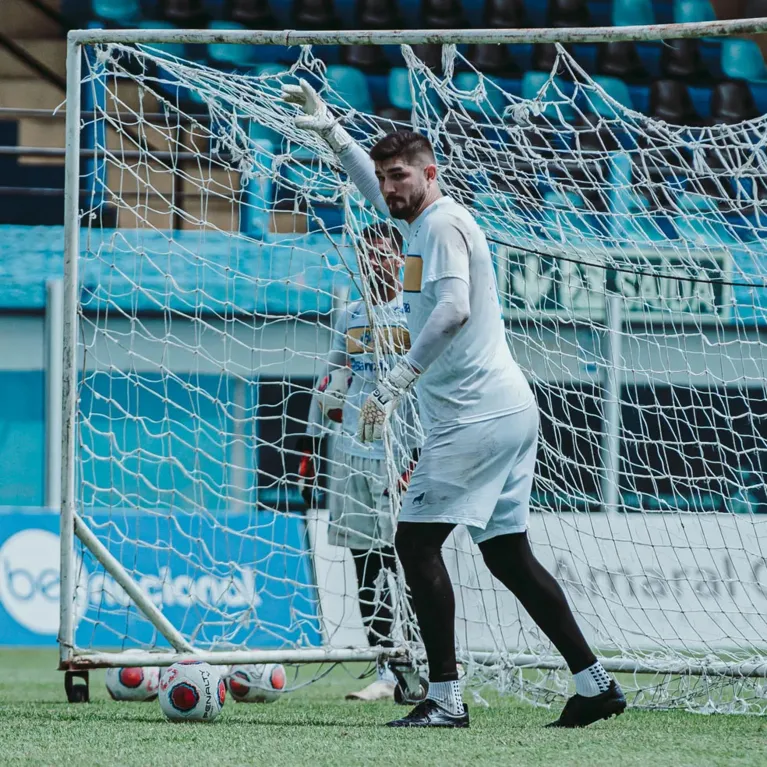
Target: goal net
(216, 244)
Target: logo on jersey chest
(391, 339)
(413, 275)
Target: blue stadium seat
(495, 101)
(347, 87)
(688, 11)
(172, 49)
(399, 88)
(630, 13)
(616, 89)
(556, 102)
(121, 11)
(239, 56)
(742, 60)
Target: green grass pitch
(316, 726)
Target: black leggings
(376, 616)
(511, 560)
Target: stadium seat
(732, 102)
(230, 55)
(253, 14)
(442, 14)
(347, 87)
(742, 60)
(681, 60)
(184, 13)
(630, 13)
(616, 89)
(496, 59)
(120, 11)
(568, 13)
(172, 49)
(620, 59)
(399, 89)
(430, 54)
(495, 101)
(492, 60)
(314, 14)
(371, 14)
(688, 11)
(504, 14)
(555, 105)
(670, 101)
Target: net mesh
(218, 242)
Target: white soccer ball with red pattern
(256, 683)
(192, 691)
(332, 391)
(134, 683)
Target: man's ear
(431, 171)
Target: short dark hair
(383, 231)
(406, 144)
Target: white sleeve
(450, 314)
(361, 170)
(446, 251)
(337, 358)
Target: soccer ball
(133, 682)
(331, 393)
(260, 683)
(192, 691)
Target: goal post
(209, 246)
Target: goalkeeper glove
(317, 116)
(383, 401)
(404, 479)
(307, 468)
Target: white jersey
(476, 378)
(353, 344)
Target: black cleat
(581, 712)
(429, 714)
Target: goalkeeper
(479, 415)
(360, 509)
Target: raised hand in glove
(317, 116)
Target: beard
(407, 210)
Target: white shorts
(477, 474)
(360, 514)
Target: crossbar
(731, 27)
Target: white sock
(447, 695)
(592, 681)
(385, 674)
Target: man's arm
(355, 160)
(450, 314)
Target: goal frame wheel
(77, 686)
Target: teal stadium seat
(616, 89)
(495, 101)
(742, 60)
(121, 11)
(554, 99)
(240, 56)
(177, 50)
(347, 87)
(633, 13)
(689, 11)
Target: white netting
(631, 266)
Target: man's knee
(420, 540)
